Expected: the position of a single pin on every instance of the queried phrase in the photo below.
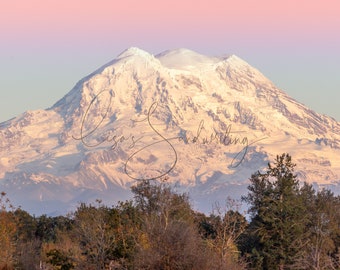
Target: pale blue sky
(44, 51)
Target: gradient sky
(48, 45)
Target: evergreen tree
(278, 215)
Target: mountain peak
(134, 51)
(180, 52)
(235, 59)
(183, 58)
(204, 122)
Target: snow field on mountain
(202, 123)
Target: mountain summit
(202, 123)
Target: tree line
(289, 225)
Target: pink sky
(57, 42)
(262, 21)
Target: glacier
(203, 124)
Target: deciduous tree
(8, 231)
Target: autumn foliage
(290, 226)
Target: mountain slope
(202, 123)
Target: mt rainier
(204, 124)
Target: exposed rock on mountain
(202, 123)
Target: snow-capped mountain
(202, 123)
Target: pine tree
(278, 215)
